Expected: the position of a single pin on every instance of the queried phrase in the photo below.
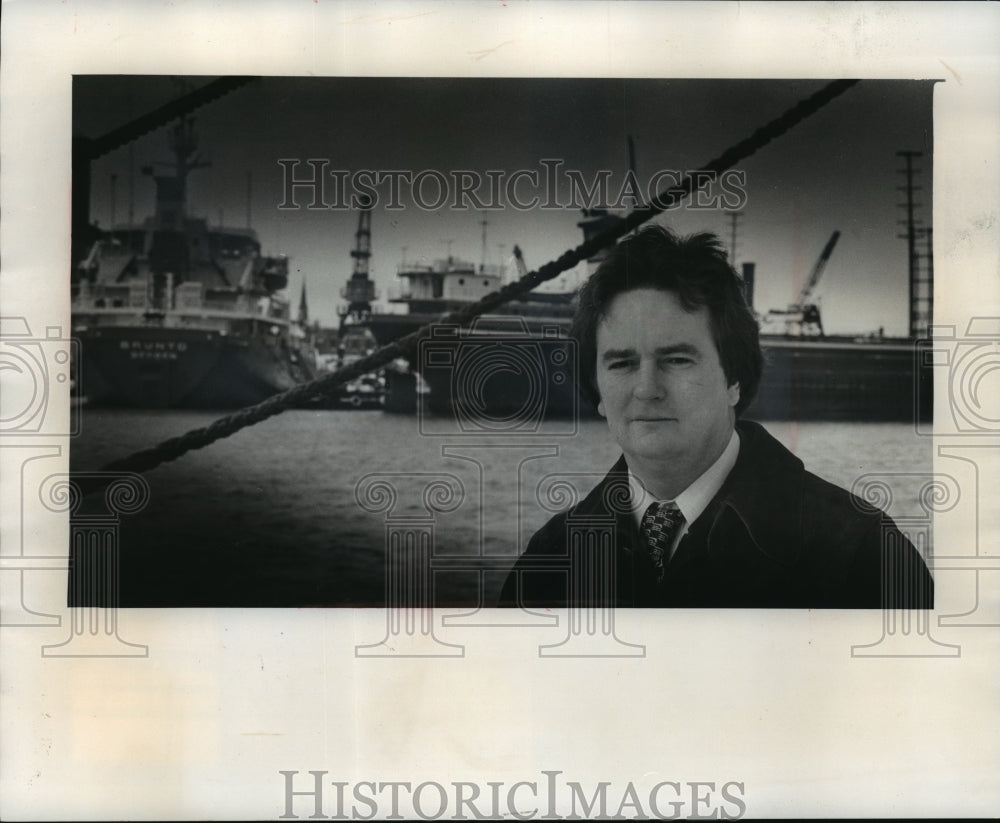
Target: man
(702, 509)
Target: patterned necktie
(659, 528)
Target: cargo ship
(499, 366)
(518, 368)
(175, 313)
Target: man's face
(662, 387)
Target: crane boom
(804, 315)
(522, 269)
(817, 271)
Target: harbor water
(297, 510)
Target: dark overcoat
(774, 536)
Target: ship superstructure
(174, 312)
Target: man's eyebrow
(617, 354)
(677, 348)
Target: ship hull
(143, 367)
(805, 378)
(840, 380)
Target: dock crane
(360, 290)
(802, 312)
(355, 339)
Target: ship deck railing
(200, 316)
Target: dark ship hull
(842, 379)
(805, 378)
(143, 367)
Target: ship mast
(734, 219)
(171, 191)
(482, 261)
(86, 150)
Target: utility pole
(921, 290)
(925, 282)
(929, 234)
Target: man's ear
(597, 394)
(734, 393)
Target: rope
(198, 438)
(180, 107)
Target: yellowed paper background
(201, 726)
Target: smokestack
(748, 274)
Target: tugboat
(367, 391)
(173, 313)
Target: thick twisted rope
(197, 438)
(181, 107)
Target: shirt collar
(696, 497)
(764, 491)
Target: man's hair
(696, 269)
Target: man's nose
(648, 385)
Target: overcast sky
(838, 170)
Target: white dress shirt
(695, 498)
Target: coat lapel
(748, 535)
